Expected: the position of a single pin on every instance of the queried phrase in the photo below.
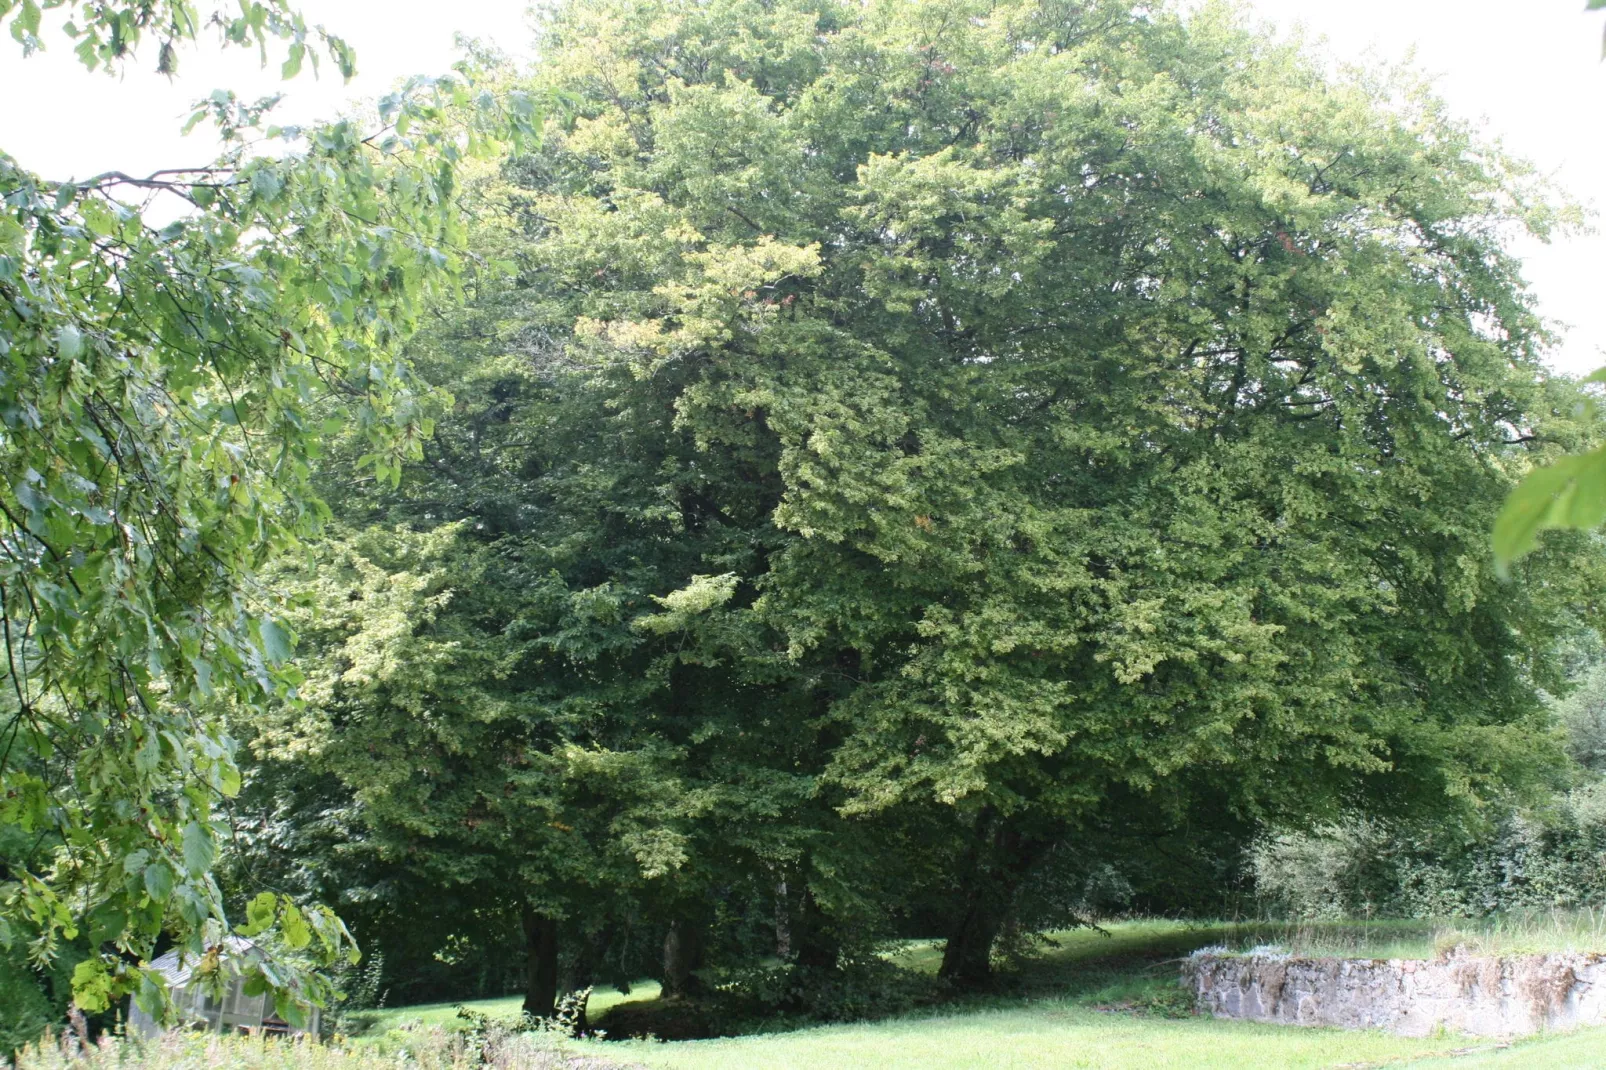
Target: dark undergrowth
(1120, 971)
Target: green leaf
(107, 922)
(278, 644)
(69, 342)
(345, 57)
(1571, 493)
(159, 881)
(259, 913)
(199, 849)
(290, 1009)
(265, 183)
(203, 676)
(297, 934)
(27, 19)
(91, 985)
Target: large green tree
(1131, 399)
(958, 431)
(516, 713)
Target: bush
(860, 988)
(360, 996)
(26, 1011)
(1583, 714)
(1361, 868)
(1345, 870)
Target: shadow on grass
(1130, 967)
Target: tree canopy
(897, 444)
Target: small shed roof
(176, 967)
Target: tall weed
(492, 1048)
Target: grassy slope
(1073, 1008)
(445, 1014)
(1064, 1035)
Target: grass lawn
(424, 1015)
(1097, 1000)
(1061, 1034)
(1511, 934)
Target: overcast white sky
(1528, 70)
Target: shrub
(861, 987)
(25, 1009)
(1362, 868)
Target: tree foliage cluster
(164, 391)
(915, 468)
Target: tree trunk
(541, 964)
(683, 953)
(995, 866)
(783, 921)
(967, 957)
(819, 947)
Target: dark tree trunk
(683, 953)
(818, 945)
(579, 972)
(541, 964)
(967, 957)
(996, 864)
(783, 921)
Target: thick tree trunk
(541, 964)
(683, 953)
(967, 957)
(996, 864)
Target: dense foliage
(163, 391)
(1544, 856)
(903, 451)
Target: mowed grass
(1066, 1035)
(1097, 999)
(444, 1015)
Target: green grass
(1535, 932)
(1583, 1050)
(444, 1015)
(1062, 1034)
(1099, 1000)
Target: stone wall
(1464, 993)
